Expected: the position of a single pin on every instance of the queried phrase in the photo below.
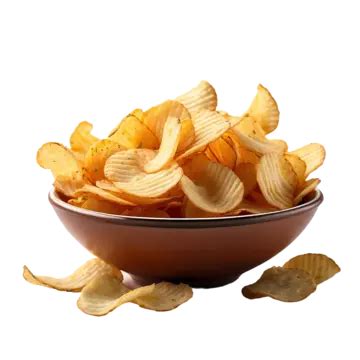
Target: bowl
(199, 252)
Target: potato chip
(132, 133)
(146, 212)
(103, 195)
(169, 143)
(68, 185)
(165, 296)
(277, 180)
(59, 160)
(202, 97)
(252, 137)
(319, 266)
(313, 155)
(96, 157)
(251, 207)
(247, 174)
(287, 285)
(265, 110)
(104, 206)
(209, 125)
(78, 201)
(189, 210)
(298, 166)
(308, 187)
(81, 139)
(223, 152)
(217, 189)
(76, 281)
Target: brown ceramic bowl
(199, 252)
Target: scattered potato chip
(81, 139)
(103, 195)
(96, 157)
(313, 155)
(217, 189)
(319, 266)
(282, 284)
(202, 97)
(265, 110)
(169, 143)
(277, 180)
(165, 296)
(247, 174)
(298, 166)
(76, 281)
(308, 187)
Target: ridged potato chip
(265, 110)
(319, 266)
(96, 157)
(217, 189)
(155, 118)
(169, 144)
(251, 207)
(203, 96)
(247, 173)
(81, 139)
(165, 296)
(132, 133)
(308, 187)
(277, 180)
(76, 281)
(138, 113)
(287, 285)
(223, 152)
(313, 155)
(209, 125)
(103, 195)
(125, 169)
(298, 166)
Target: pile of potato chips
(184, 158)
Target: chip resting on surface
(319, 266)
(76, 281)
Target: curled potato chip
(132, 133)
(203, 96)
(169, 143)
(319, 266)
(146, 212)
(282, 284)
(125, 169)
(265, 110)
(59, 159)
(103, 194)
(81, 139)
(76, 281)
(96, 157)
(308, 187)
(165, 296)
(277, 180)
(252, 137)
(216, 189)
(313, 155)
(209, 125)
(223, 152)
(104, 206)
(68, 185)
(138, 113)
(247, 174)
(298, 166)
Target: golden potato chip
(96, 157)
(265, 110)
(189, 210)
(319, 266)
(132, 133)
(78, 201)
(106, 292)
(138, 113)
(81, 139)
(252, 137)
(104, 206)
(68, 185)
(217, 189)
(125, 169)
(287, 285)
(313, 155)
(202, 97)
(298, 166)
(277, 180)
(169, 143)
(247, 174)
(165, 296)
(76, 281)
(308, 187)
(103, 195)
(210, 155)
(209, 125)
(59, 160)
(223, 152)
(251, 207)
(146, 212)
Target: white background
(67, 61)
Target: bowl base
(133, 281)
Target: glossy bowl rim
(189, 222)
